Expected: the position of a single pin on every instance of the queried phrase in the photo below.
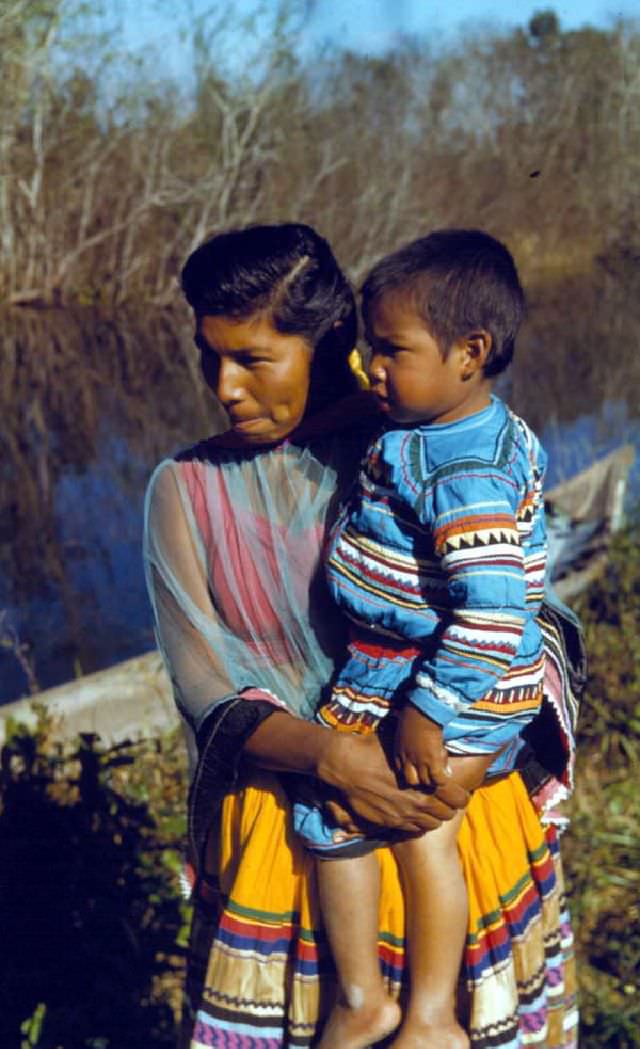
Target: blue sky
(369, 26)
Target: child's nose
(376, 369)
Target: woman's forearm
(283, 743)
(355, 766)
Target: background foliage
(89, 856)
(91, 920)
(111, 172)
(602, 848)
(109, 175)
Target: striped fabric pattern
(266, 977)
(439, 559)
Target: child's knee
(439, 843)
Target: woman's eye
(202, 344)
(249, 360)
(207, 354)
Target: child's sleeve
(476, 546)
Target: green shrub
(601, 850)
(610, 614)
(91, 925)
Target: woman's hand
(358, 767)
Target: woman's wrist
(332, 758)
(284, 743)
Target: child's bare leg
(436, 909)
(349, 892)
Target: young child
(439, 562)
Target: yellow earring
(357, 367)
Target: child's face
(408, 374)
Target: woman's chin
(259, 431)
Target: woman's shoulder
(175, 476)
(162, 485)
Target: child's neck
(478, 399)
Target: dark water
(90, 404)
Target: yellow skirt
(260, 972)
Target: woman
(233, 538)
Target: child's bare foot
(355, 1026)
(430, 1032)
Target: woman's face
(260, 376)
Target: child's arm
(476, 543)
(420, 756)
(421, 759)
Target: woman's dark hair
(459, 280)
(289, 272)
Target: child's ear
(475, 347)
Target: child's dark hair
(459, 280)
(289, 272)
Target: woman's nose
(229, 389)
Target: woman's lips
(244, 424)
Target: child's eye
(384, 349)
